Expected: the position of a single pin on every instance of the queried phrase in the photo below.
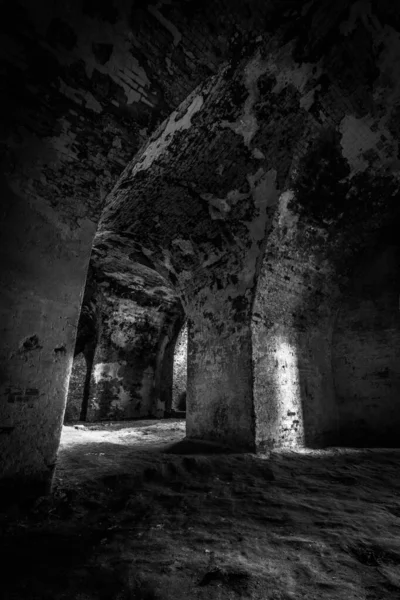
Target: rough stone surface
(295, 224)
(255, 199)
(128, 358)
(180, 371)
(138, 315)
(83, 86)
(76, 389)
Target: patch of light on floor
(131, 433)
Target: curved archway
(221, 201)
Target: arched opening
(320, 258)
(123, 365)
(249, 213)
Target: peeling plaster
(219, 208)
(212, 259)
(119, 338)
(106, 371)
(167, 24)
(159, 145)
(123, 400)
(286, 217)
(80, 96)
(265, 193)
(247, 125)
(307, 100)
(287, 72)
(63, 143)
(258, 154)
(185, 245)
(358, 138)
(132, 76)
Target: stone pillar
(133, 334)
(294, 400)
(179, 386)
(219, 387)
(42, 277)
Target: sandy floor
(137, 515)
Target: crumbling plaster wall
(200, 199)
(343, 189)
(213, 222)
(311, 176)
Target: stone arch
(212, 212)
(201, 201)
(271, 212)
(139, 318)
(308, 265)
(90, 101)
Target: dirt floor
(138, 514)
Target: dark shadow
(89, 358)
(86, 342)
(365, 351)
(105, 534)
(192, 447)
